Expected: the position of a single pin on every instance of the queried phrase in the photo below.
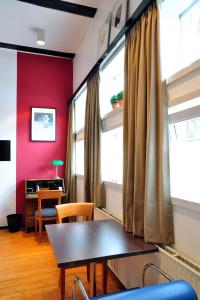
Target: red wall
(42, 81)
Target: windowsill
(114, 111)
(194, 206)
(107, 183)
(80, 134)
(111, 215)
(113, 119)
(80, 176)
(113, 184)
(184, 72)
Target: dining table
(79, 243)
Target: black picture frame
(43, 124)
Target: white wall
(86, 56)
(8, 82)
(80, 188)
(114, 199)
(187, 228)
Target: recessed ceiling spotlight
(40, 37)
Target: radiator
(129, 270)
(180, 267)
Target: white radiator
(180, 267)
(129, 270)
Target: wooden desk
(31, 196)
(82, 242)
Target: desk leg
(62, 283)
(92, 279)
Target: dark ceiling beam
(37, 50)
(69, 7)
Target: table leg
(92, 279)
(62, 283)
(104, 276)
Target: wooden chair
(46, 214)
(84, 210)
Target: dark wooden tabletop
(81, 242)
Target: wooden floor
(28, 270)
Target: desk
(90, 242)
(31, 196)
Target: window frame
(79, 134)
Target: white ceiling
(63, 31)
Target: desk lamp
(57, 163)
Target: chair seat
(47, 212)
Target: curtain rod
(127, 27)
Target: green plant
(120, 95)
(113, 99)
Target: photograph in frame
(43, 124)
(118, 20)
(104, 33)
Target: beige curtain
(94, 189)
(146, 194)
(70, 181)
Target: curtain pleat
(70, 181)
(146, 188)
(94, 188)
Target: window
(184, 131)
(112, 155)
(111, 80)
(80, 103)
(180, 34)
(112, 83)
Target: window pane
(80, 157)
(112, 81)
(180, 34)
(185, 159)
(112, 155)
(80, 103)
(188, 130)
(190, 33)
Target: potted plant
(114, 102)
(120, 97)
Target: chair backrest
(80, 209)
(46, 195)
(174, 290)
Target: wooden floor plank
(28, 270)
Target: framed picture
(118, 20)
(104, 36)
(43, 124)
